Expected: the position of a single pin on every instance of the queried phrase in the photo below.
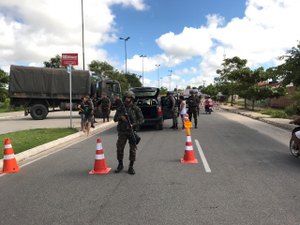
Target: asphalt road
(16, 121)
(249, 178)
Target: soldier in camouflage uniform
(174, 110)
(105, 108)
(136, 118)
(193, 105)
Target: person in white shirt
(182, 109)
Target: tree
(3, 85)
(133, 80)
(54, 62)
(289, 71)
(163, 90)
(210, 90)
(102, 69)
(229, 75)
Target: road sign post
(69, 60)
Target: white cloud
(33, 31)
(266, 31)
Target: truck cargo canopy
(35, 81)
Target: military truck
(41, 90)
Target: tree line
(236, 78)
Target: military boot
(176, 126)
(130, 168)
(120, 167)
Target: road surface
(252, 179)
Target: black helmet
(129, 94)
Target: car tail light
(159, 112)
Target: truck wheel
(38, 112)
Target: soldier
(105, 107)
(128, 112)
(174, 110)
(86, 107)
(118, 101)
(193, 105)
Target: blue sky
(189, 38)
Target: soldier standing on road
(193, 105)
(86, 107)
(174, 110)
(105, 107)
(132, 112)
(118, 101)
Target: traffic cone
(9, 160)
(100, 164)
(189, 156)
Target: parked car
(148, 99)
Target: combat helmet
(129, 94)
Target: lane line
(205, 163)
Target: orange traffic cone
(189, 156)
(100, 164)
(9, 160)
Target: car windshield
(145, 93)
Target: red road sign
(69, 59)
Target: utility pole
(125, 40)
(157, 65)
(143, 56)
(170, 78)
(82, 35)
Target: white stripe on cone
(189, 148)
(8, 146)
(99, 157)
(99, 146)
(7, 157)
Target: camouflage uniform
(124, 132)
(174, 109)
(193, 104)
(105, 108)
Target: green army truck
(41, 90)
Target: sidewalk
(278, 122)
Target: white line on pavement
(205, 163)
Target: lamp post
(125, 40)
(82, 35)
(170, 77)
(143, 56)
(157, 65)
(161, 81)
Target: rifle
(135, 138)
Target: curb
(262, 118)
(64, 140)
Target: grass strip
(27, 139)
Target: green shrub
(275, 113)
(291, 110)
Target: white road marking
(205, 163)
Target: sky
(184, 42)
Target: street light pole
(125, 40)
(143, 56)
(82, 33)
(170, 77)
(157, 65)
